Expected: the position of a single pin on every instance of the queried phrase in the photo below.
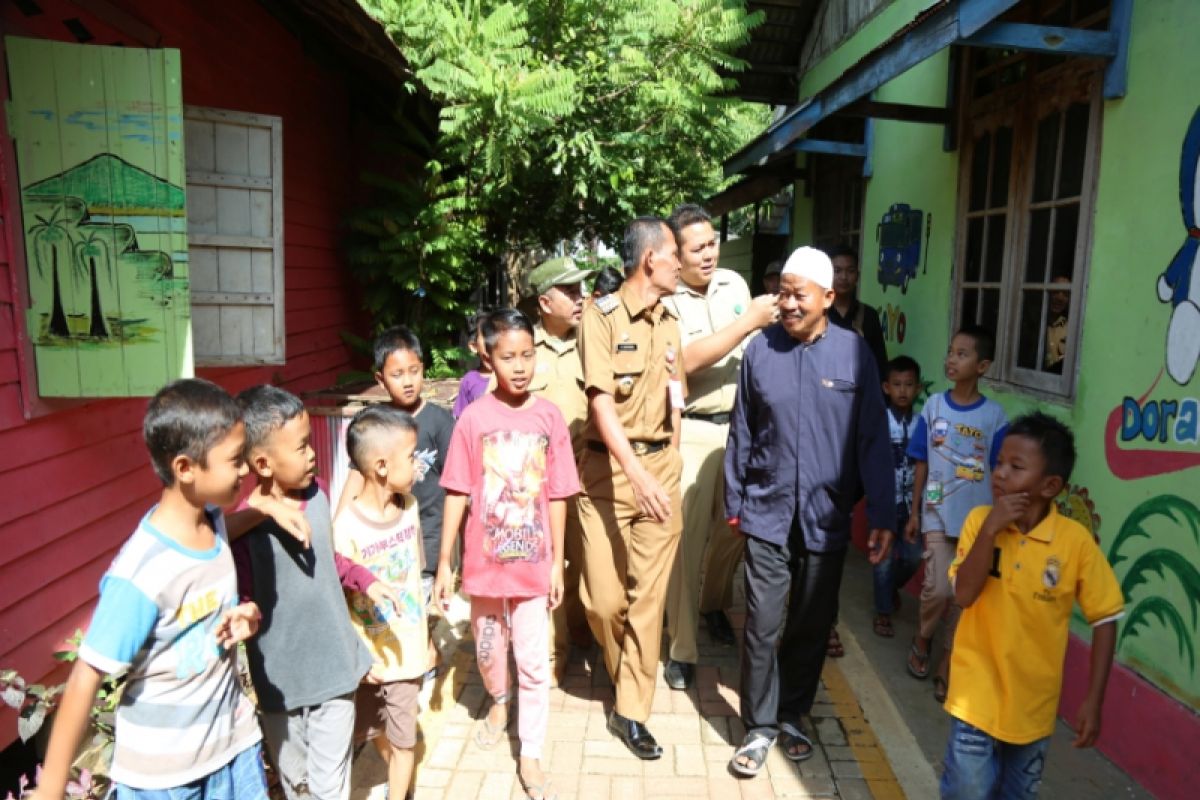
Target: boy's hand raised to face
(237, 624)
(1007, 510)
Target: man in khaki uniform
(716, 319)
(558, 377)
(630, 505)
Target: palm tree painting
(51, 238)
(1162, 588)
(101, 165)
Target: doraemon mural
(1180, 284)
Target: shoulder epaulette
(607, 304)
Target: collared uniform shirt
(558, 377)
(632, 352)
(1007, 665)
(711, 389)
(809, 432)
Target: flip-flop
(754, 747)
(883, 627)
(790, 737)
(538, 791)
(487, 736)
(939, 688)
(920, 672)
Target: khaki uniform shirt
(632, 352)
(558, 377)
(712, 389)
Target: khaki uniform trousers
(569, 621)
(627, 560)
(707, 538)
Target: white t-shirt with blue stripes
(183, 714)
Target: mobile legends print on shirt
(514, 466)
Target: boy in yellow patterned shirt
(1020, 568)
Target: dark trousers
(778, 685)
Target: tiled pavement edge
(698, 730)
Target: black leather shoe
(719, 629)
(635, 736)
(679, 674)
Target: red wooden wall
(75, 482)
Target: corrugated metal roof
(773, 51)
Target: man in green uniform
(558, 377)
(717, 317)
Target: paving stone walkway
(697, 729)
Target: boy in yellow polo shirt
(1019, 569)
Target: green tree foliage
(561, 120)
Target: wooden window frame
(274, 242)
(1022, 105)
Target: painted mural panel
(99, 134)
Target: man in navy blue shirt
(809, 432)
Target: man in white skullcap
(808, 434)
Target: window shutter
(99, 134)
(235, 235)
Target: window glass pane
(1070, 179)
(993, 264)
(970, 307)
(1043, 165)
(1030, 328)
(989, 310)
(1058, 309)
(999, 193)
(979, 170)
(1066, 226)
(972, 272)
(1039, 239)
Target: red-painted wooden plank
(68, 430)
(87, 512)
(11, 414)
(8, 328)
(46, 482)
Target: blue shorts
(241, 779)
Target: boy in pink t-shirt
(511, 455)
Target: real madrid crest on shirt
(1051, 573)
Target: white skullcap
(810, 264)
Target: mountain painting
(100, 157)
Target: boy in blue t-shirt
(901, 385)
(955, 445)
(168, 617)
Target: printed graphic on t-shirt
(959, 458)
(391, 559)
(196, 649)
(514, 467)
(423, 461)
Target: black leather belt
(639, 448)
(715, 419)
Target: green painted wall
(1148, 523)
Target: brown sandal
(834, 648)
(883, 626)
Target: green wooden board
(99, 135)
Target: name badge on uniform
(675, 392)
(626, 347)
